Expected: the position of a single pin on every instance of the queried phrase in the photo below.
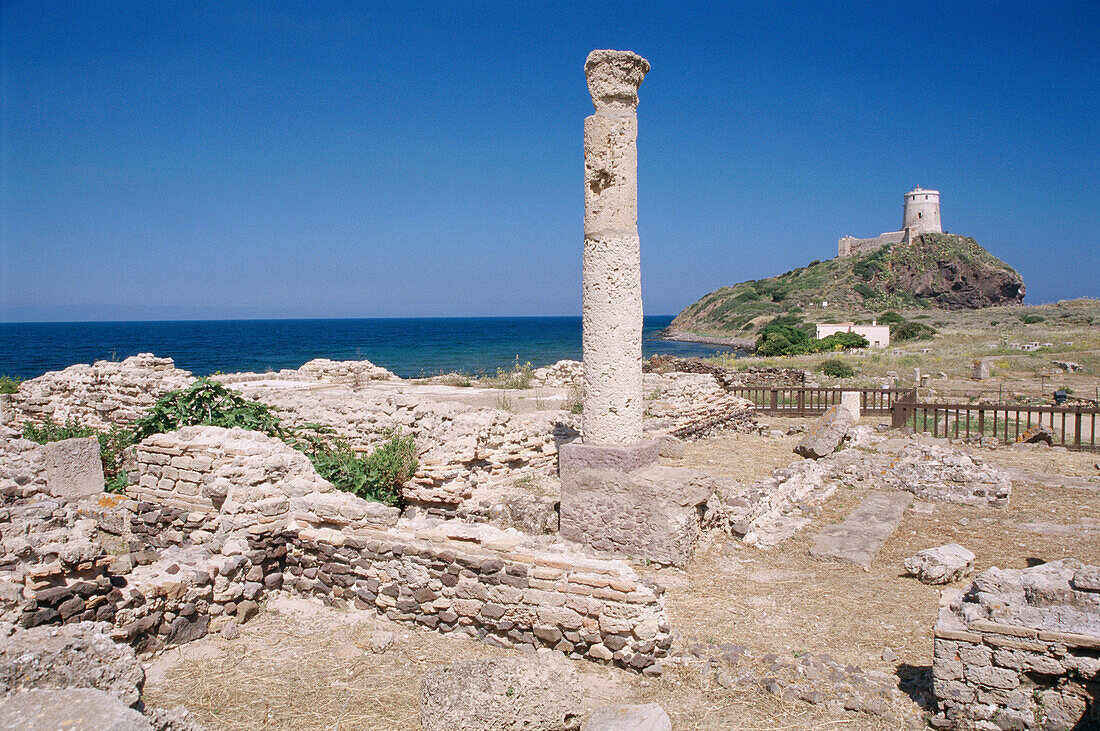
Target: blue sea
(410, 347)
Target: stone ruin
(614, 496)
(1020, 648)
(219, 518)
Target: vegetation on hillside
(8, 384)
(788, 335)
(901, 276)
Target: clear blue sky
(166, 160)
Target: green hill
(935, 270)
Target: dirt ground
(303, 666)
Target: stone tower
(922, 212)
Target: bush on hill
(9, 384)
(787, 335)
(905, 331)
(836, 368)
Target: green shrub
(836, 368)
(890, 318)
(378, 475)
(905, 331)
(51, 431)
(1031, 319)
(782, 335)
(865, 290)
(208, 403)
(9, 384)
(838, 341)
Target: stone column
(612, 300)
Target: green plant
(575, 403)
(865, 290)
(836, 368)
(890, 318)
(51, 431)
(209, 403)
(504, 403)
(377, 475)
(518, 377)
(1031, 319)
(9, 384)
(906, 331)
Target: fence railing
(1073, 426)
(803, 401)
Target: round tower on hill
(922, 212)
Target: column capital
(614, 77)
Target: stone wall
(1021, 649)
(101, 394)
(849, 246)
(501, 586)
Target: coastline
(744, 345)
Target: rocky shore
(744, 345)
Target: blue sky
(165, 160)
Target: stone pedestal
(619, 500)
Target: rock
(73, 468)
(86, 709)
(539, 692)
(850, 400)
(247, 609)
(380, 641)
(648, 717)
(1087, 578)
(186, 629)
(71, 656)
(1067, 365)
(231, 631)
(888, 655)
(825, 436)
(670, 446)
(1037, 434)
(940, 565)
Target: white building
(877, 335)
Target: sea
(410, 347)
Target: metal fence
(1073, 426)
(803, 401)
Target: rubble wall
(1021, 649)
(98, 395)
(189, 560)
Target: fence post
(802, 402)
(775, 399)
(981, 421)
(1077, 430)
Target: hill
(944, 271)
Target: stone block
(73, 468)
(87, 709)
(538, 692)
(649, 513)
(5, 408)
(825, 436)
(850, 402)
(580, 456)
(940, 565)
(647, 717)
